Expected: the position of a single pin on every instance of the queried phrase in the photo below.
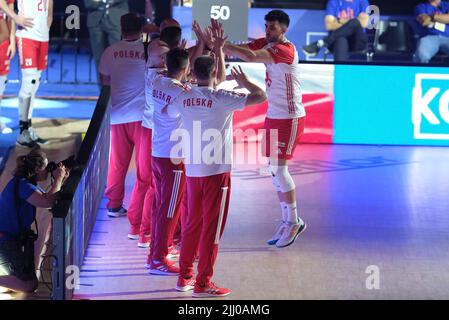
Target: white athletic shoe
(36, 138)
(24, 139)
(279, 231)
(291, 232)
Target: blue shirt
(346, 9)
(427, 8)
(8, 211)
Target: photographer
(18, 202)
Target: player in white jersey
(168, 169)
(285, 115)
(207, 111)
(33, 52)
(7, 52)
(122, 66)
(169, 174)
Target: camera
(69, 163)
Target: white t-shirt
(206, 116)
(38, 11)
(150, 74)
(165, 90)
(124, 62)
(282, 80)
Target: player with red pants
(7, 52)
(122, 66)
(168, 166)
(203, 110)
(32, 46)
(284, 123)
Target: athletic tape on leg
(282, 177)
(27, 89)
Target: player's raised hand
(183, 44)
(219, 37)
(239, 76)
(198, 31)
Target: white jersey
(165, 90)
(282, 80)
(150, 74)
(38, 11)
(206, 116)
(124, 63)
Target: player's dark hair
(279, 16)
(203, 67)
(171, 36)
(177, 59)
(131, 23)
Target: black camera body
(69, 163)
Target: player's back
(125, 65)
(164, 91)
(208, 113)
(150, 74)
(38, 11)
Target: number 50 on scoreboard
(233, 14)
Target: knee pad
(282, 178)
(29, 83)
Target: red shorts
(32, 53)
(281, 137)
(4, 59)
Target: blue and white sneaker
(291, 232)
(279, 231)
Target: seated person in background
(18, 202)
(433, 16)
(345, 20)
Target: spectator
(103, 22)
(346, 21)
(433, 17)
(18, 201)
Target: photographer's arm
(441, 18)
(46, 200)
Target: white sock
(283, 210)
(292, 213)
(320, 43)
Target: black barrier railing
(75, 212)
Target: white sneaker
(36, 138)
(117, 212)
(279, 231)
(144, 241)
(133, 236)
(24, 139)
(291, 232)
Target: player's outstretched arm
(18, 19)
(219, 42)
(256, 94)
(246, 54)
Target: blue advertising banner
(391, 105)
